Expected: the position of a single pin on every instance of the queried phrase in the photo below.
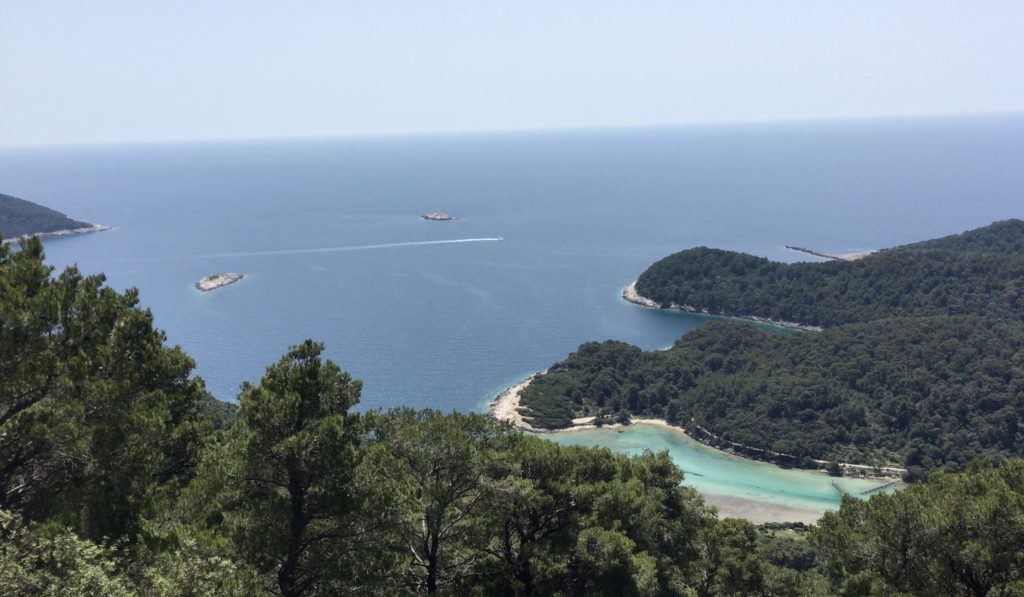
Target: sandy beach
(759, 512)
(505, 407)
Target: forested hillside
(928, 392)
(120, 476)
(980, 272)
(1006, 237)
(930, 378)
(19, 217)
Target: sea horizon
(854, 120)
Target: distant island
(215, 281)
(20, 218)
(977, 272)
(438, 216)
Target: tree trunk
(432, 565)
(286, 576)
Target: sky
(137, 71)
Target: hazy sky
(139, 70)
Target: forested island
(979, 272)
(120, 475)
(19, 217)
(918, 364)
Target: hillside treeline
(924, 393)
(977, 273)
(19, 217)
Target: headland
(60, 233)
(631, 295)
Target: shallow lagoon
(739, 487)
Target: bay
(738, 487)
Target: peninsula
(22, 219)
(215, 281)
(438, 216)
(630, 294)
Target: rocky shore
(61, 233)
(505, 406)
(215, 281)
(631, 295)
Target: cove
(738, 487)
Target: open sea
(443, 314)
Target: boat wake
(339, 249)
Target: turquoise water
(330, 236)
(738, 486)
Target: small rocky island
(438, 216)
(215, 281)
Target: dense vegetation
(120, 476)
(19, 217)
(923, 392)
(958, 534)
(979, 272)
(1006, 237)
(921, 363)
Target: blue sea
(329, 235)
(552, 226)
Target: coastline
(505, 407)
(60, 233)
(629, 294)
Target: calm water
(318, 227)
(738, 486)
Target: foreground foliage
(120, 477)
(956, 535)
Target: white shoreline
(60, 233)
(629, 294)
(506, 407)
